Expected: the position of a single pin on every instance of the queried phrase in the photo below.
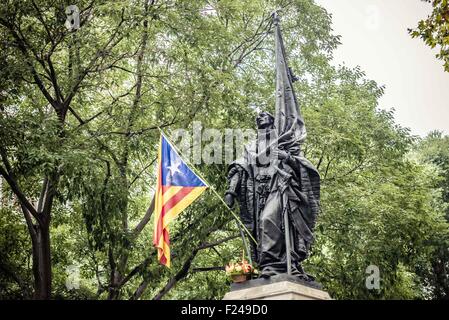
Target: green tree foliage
(434, 151)
(15, 275)
(79, 119)
(434, 30)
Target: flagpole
(279, 49)
(240, 223)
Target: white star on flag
(174, 168)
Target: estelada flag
(177, 187)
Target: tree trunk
(42, 261)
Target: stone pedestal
(280, 287)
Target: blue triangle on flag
(175, 172)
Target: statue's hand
(280, 154)
(229, 200)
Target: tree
(39, 66)
(434, 30)
(433, 151)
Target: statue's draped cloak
(295, 187)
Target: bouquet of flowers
(241, 271)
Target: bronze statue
(278, 190)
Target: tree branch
(24, 49)
(20, 195)
(146, 218)
(179, 275)
(218, 242)
(91, 64)
(206, 269)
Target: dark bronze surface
(274, 183)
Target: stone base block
(281, 287)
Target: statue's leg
(301, 245)
(272, 259)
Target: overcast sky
(374, 36)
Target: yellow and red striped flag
(177, 187)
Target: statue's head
(265, 120)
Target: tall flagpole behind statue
(288, 121)
(288, 115)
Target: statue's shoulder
(239, 164)
(244, 162)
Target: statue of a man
(271, 180)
